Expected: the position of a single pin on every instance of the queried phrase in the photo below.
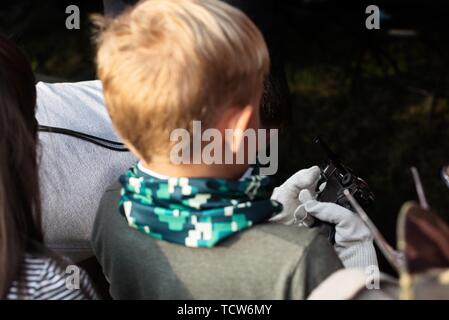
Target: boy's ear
(239, 119)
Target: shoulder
(111, 196)
(281, 235)
(69, 93)
(44, 88)
(79, 102)
(298, 247)
(108, 221)
(113, 189)
(44, 278)
(301, 255)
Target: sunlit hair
(164, 63)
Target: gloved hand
(287, 194)
(353, 239)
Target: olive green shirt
(266, 261)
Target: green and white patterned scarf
(194, 212)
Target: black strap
(108, 144)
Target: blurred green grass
(381, 103)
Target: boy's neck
(230, 172)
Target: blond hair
(165, 63)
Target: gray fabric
(74, 173)
(357, 284)
(268, 261)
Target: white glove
(287, 194)
(353, 239)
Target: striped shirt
(44, 279)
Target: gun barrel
(330, 154)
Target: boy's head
(165, 63)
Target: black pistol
(339, 177)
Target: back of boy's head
(165, 63)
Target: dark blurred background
(380, 98)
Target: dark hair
(20, 211)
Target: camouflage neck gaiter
(194, 212)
